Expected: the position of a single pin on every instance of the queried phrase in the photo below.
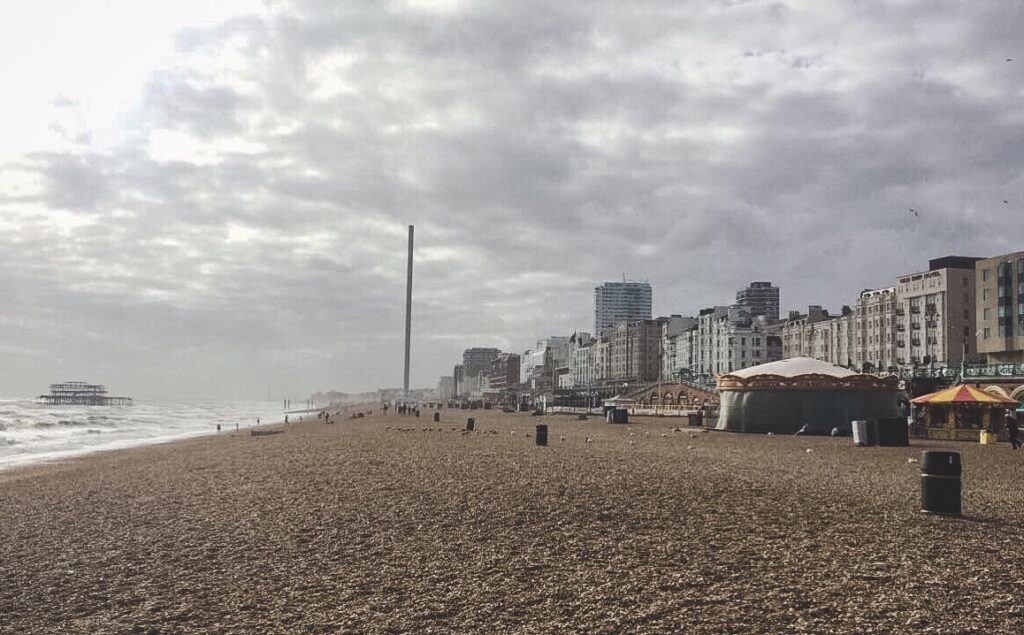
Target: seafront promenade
(403, 525)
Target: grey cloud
(539, 148)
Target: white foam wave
(31, 432)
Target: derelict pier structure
(79, 393)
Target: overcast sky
(211, 198)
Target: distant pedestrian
(1012, 429)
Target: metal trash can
(940, 482)
(470, 424)
(437, 416)
(893, 432)
(542, 434)
(860, 432)
(695, 419)
(620, 415)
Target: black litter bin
(892, 432)
(695, 419)
(940, 482)
(542, 434)
(470, 424)
(437, 416)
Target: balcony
(915, 310)
(915, 342)
(901, 327)
(915, 325)
(900, 312)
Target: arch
(1018, 393)
(669, 398)
(996, 390)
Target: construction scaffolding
(79, 393)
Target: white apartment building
(674, 355)
(591, 362)
(935, 313)
(874, 332)
(725, 339)
(863, 337)
(539, 367)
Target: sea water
(31, 432)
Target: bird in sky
(1009, 59)
(913, 211)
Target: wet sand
(402, 525)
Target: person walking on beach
(1012, 430)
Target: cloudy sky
(211, 198)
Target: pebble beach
(389, 524)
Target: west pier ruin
(79, 393)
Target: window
(984, 275)
(984, 294)
(967, 314)
(986, 314)
(988, 332)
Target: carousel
(961, 413)
(801, 393)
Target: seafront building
(616, 302)
(1000, 308)
(961, 309)
(875, 330)
(446, 387)
(760, 298)
(542, 365)
(674, 352)
(935, 314)
(728, 338)
(863, 337)
(635, 349)
(504, 373)
(925, 319)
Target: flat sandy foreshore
(403, 525)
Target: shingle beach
(403, 525)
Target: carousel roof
(963, 394)
(802, 373)
(794, 367)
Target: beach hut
(961, 413)
(784, 396)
